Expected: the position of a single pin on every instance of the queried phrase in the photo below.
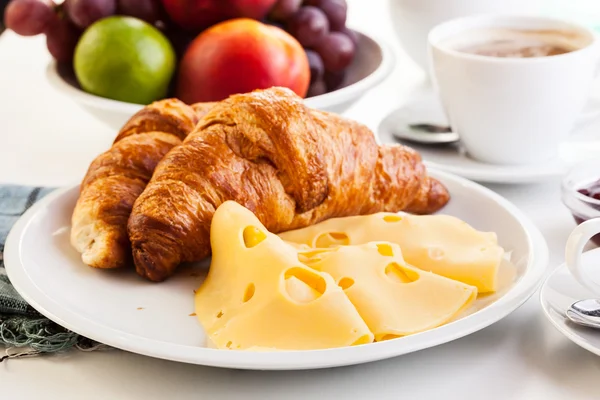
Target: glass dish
(582, 207)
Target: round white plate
(454, 158)
(560, 290)
(125, 311)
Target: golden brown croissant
(116, 178)
(290, 165)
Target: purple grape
(277, 24)
(284, 9)
(351, 34)
(180, 40)
(28, 17)
(83, 13)
(334, 80)
(316, 65)
(316, 88)
(61, 38)
(147, 10)
(314, 3)
(336, 11)
(309, 26)
(336, 50)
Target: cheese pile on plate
(442, 244)
(345, 281)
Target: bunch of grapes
(320, 27)
(64, 23)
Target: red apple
(238, 56)
(195, 15)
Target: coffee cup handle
(591, 111)
(574, 249)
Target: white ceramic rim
(510, 174)
(567, 332)
(287, 360)
(461, 24)
(326, 100)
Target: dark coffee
(515, 49)
(515, 43)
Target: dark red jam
(592, 191)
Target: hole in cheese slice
(249, 293)
(398, 274)
(253, 236)
(385, 249)
(309, 277)
(330, 239)
(345, 283)
(364, 339)
(392, 218)
(300, 291)
(309, 256)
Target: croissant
(290, 165)
(116, 178)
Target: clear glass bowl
(582, 207)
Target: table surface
(47, 140)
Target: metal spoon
(426, 133)
(585, 312)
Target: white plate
(454, 158)
(560, 290)
(105, 305)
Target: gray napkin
(23, 331)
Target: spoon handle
(578, 319)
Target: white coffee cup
(512, 110)
(574, 249)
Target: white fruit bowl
(372, 64)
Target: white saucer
(125, 311)
(454, 158)
(560, 290)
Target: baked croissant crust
(290, 165)
(116, 178)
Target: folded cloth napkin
(24, 331)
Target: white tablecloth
(45, 139)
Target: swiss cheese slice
(258, 295)
(441, 244)
(392, 297)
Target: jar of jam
(581, 193)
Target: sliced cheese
(257, 295)
(392, 297)
(441, 244)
